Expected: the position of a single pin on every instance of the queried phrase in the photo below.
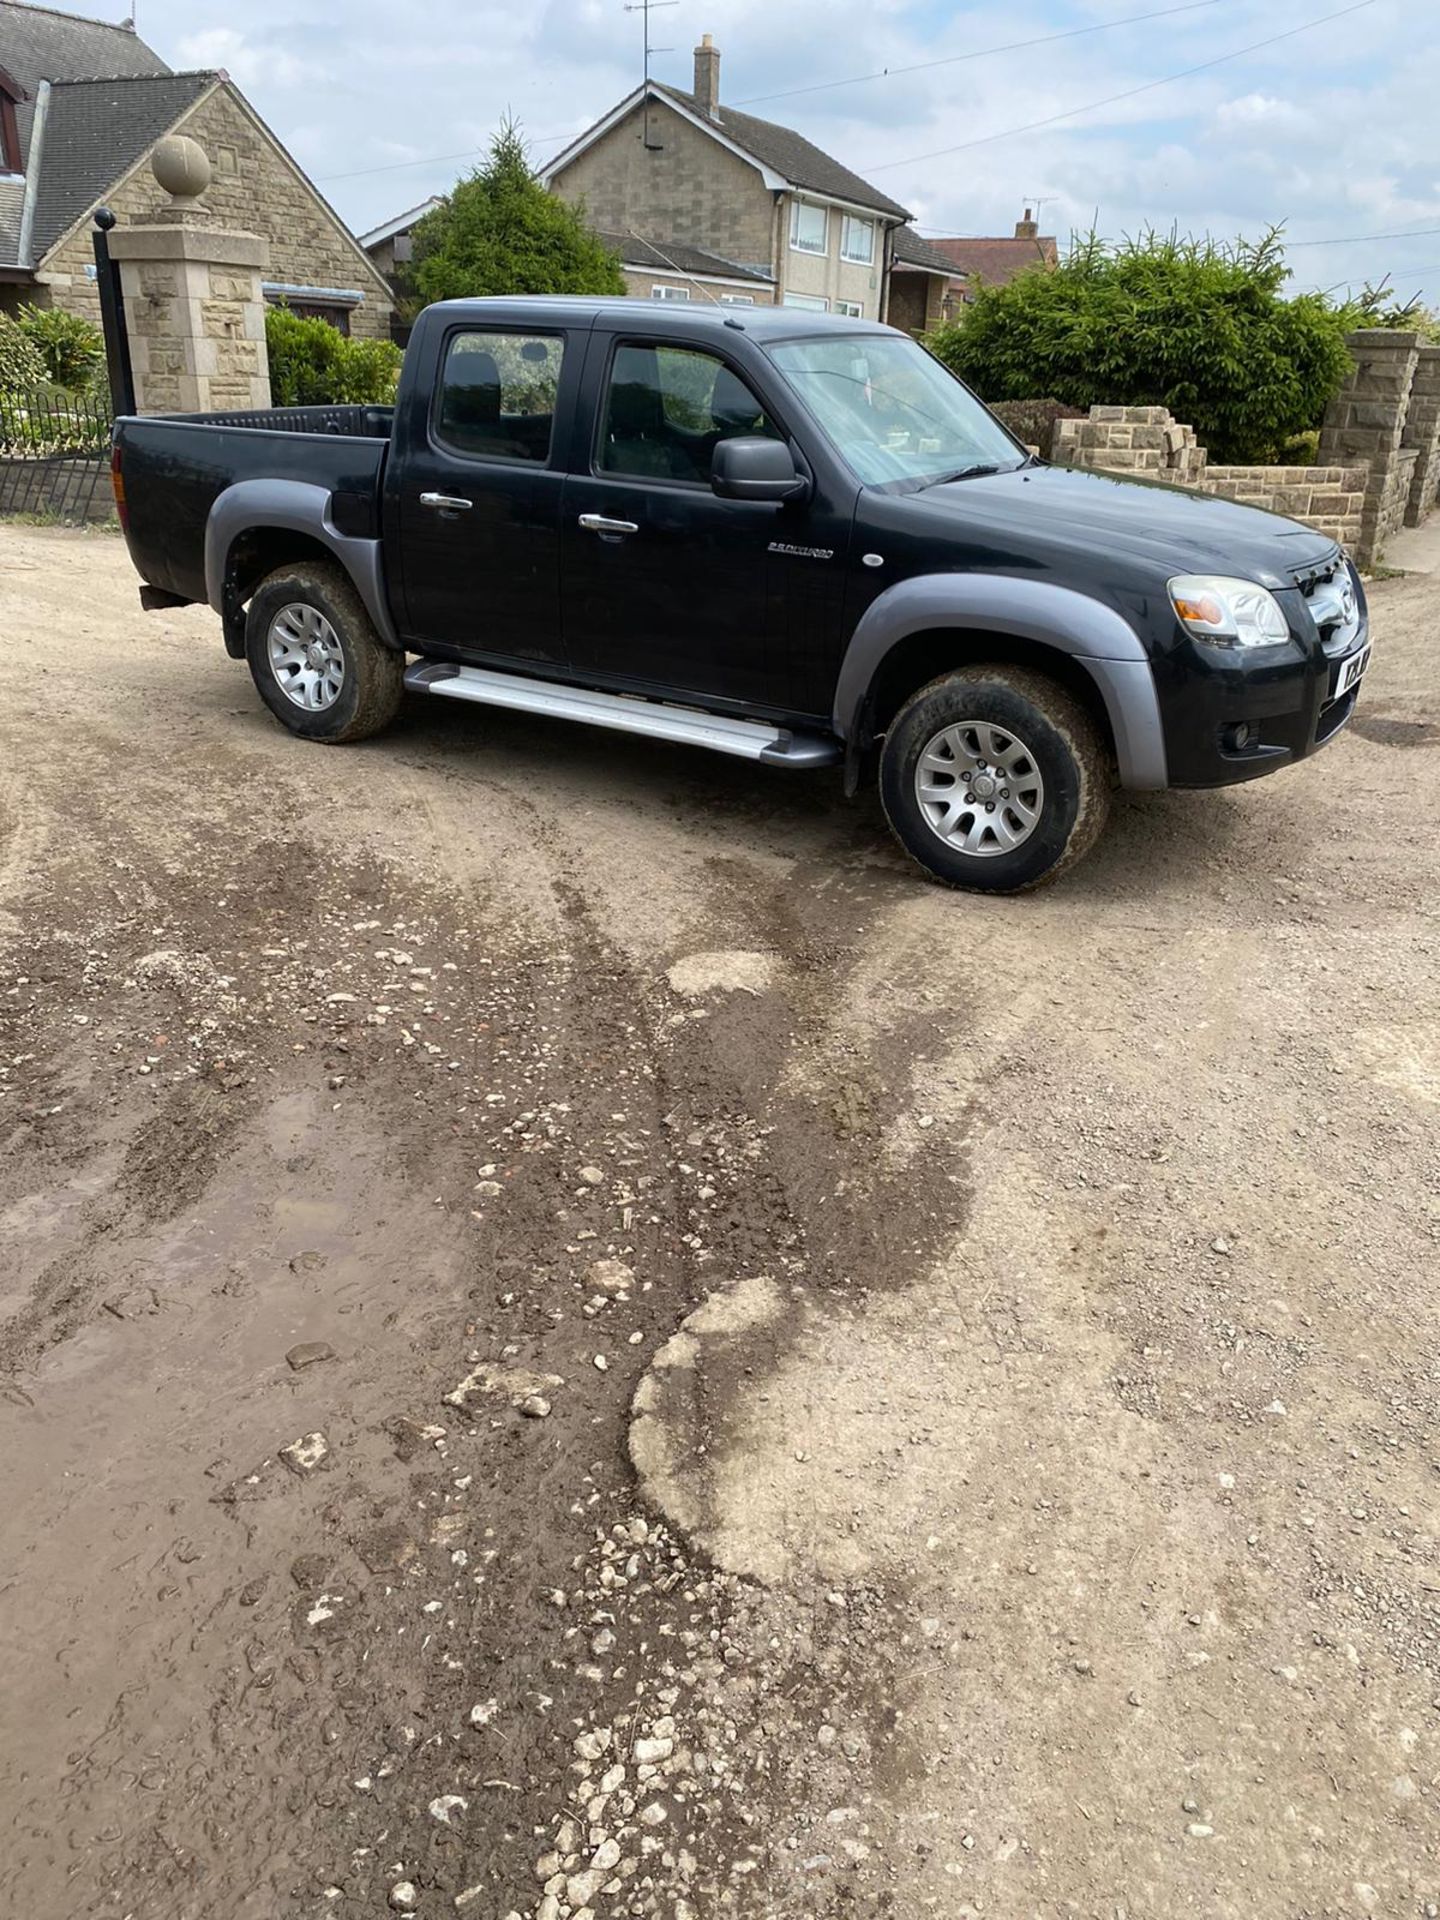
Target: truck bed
(193, 458)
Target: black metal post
(112, 317)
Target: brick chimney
(1028, 228)
(707, 77)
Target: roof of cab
(657, 316)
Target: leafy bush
(1033, 421)
(500, 231)
(1190, 325)
(313, 364)
(21, 365)
(70, 346)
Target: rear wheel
(995, 778)
(315, 657)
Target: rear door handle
(597, 523)
(446, 502)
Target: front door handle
(597, 523)
(446, 502)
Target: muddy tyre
(995, 778)
(315, 657)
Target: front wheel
(315, 657)
(995, 778)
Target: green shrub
(70, 346)
(1033, 421)
(1301, 450)
(21, 365)
(1158, 321)
(313, 364)
(500, 231)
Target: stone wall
(1328, 498)
(1379, 456)
(256, 188)
(1146, 443)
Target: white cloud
(1261, 110)
(248, 64)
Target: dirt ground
(1029, 1310)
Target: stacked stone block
(1140, 440)
(1330, 499)
(1146, 441)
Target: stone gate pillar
(1366, 422)
(193, 301)
(1422, 431)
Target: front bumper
(1237, 714)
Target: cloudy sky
(1332, 130)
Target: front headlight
(1228, 613)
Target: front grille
(1329, 587)
(1308, 577)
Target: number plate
(1348, 673)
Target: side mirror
(752, 468)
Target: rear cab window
(497, 394)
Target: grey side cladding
(297, 507)
(1094, 636)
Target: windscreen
(895, 414)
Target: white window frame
(797, 207)
(851, 223)
(669, 293)
(737, 299)
(807, 302)
(850, 309)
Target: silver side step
(749, 739)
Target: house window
(669, 293)
(334, 316)
(10, 94)
(737, 299)
(808, 227)
(851, 309)
(857, 241)
(497, 395)
(807, 302)
(666, 410)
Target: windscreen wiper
(977, 472)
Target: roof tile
(790, 153)
(997, 262)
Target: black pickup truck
(794, 538)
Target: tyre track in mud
(241, 1798)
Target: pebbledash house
(82, 106)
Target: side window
(668, 408)
(497, 395)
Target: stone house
(703, 201)
(83, 105)
(391, 245)
(994, 262)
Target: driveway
(576, 1340)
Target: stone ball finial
(181, 166)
